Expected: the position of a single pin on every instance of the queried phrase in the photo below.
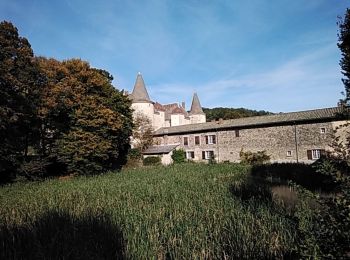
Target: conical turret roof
(196, 107)
(140, 94)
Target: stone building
(286, 137)
(164, 115)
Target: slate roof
(140, 94)
(196, 107)
(324, 114)
(160, 149)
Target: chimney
(183, 105)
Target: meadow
(185, 211)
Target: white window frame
(322, 130)
(207, 154)
(211, 139)
(315, 154)
(289, 153)
(188, 155)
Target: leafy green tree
(231, 113)
(20, 86)
(178, 156)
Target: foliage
(135, 153)
(20, 86)
(151, 160)
(253, 158)
(178, 156)
(86, 123)
(57, 117)
(344, 46)
(142, 137)
(174, 212)
(231, 113)
(333, 221)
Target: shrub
(178, 156)
(152, 160)
(249, 157)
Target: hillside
(231, 113)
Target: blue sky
(275, 55)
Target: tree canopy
(20, 87)
(58, 117)
(231, 113)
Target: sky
(273, 55)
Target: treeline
(57, 117)
(231, 113)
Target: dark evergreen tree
(344, 46)
(20, 82)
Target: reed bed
(185, 211)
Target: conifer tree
(344, 46)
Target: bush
(249, 157)
(178, 156)
(152, 160)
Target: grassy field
(188, 211)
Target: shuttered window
(315, 154)
(210, 139)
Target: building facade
(286, 137)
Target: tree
(20, 86)
(86, 122)
(142, 137)
(344, 46)
(231, 113)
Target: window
(315, 154)
(197, 140)
(210, 139)
(237, 133)
(322, 130)
(207, 155)
(289, 153)
(185, 140)
(190, 155)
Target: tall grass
(184, 211)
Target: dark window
(197, 140)
(237, 133)
(185, 140)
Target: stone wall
(283, 143)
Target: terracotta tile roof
(325, 114)
(159, 107)
(160, 149)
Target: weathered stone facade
(289, 137)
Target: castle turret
(196, 113)
(141, 103)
